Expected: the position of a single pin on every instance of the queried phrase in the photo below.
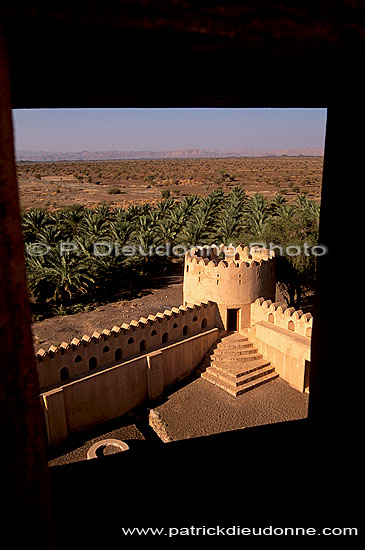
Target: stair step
(234, 365)
(236, 360)
(225, 342)
(242, 353)
(240, 389)
(256, 383)
(234, 349)
(229, 340)
(238, 370)
(232, 337)
(233, 343)
(234, 370)
(236, 381)
(234, 334)
(240, 349)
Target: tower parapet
(232, 277)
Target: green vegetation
(77, 278)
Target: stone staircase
(234, 365)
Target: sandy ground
(180, 176)
(76, 449)
(192, 408)
(199, 408)
(66, 327)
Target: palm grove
(77, 280)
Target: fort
(229, 330)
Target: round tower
(232, 277)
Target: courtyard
(193, 408)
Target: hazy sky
(70, 130)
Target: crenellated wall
(111, 392)
(232, 282)
(282, 316)
(283, 336)
(110, 347)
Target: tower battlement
(227, 256)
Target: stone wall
(283, 336)
(112, 347)
(111, 392)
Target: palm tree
(59, 277)
(33, 223)
(154, 217)
(284, 211)
(71, 220)
(195, 232)
(190, 202)
(94, 226)
(230, 222)
(164, 207)
(179, 216)
(278, 201)
(229, 230)
(145, 232)
(51, 234)
(309, 207)
(167, 231)
(121, 231)
(257, 215)
(302, 201)
(124, 214)
(133, 212)
(104, 211)
(237, 195)
(207, 213)
(144, 209)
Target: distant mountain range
(47, 156)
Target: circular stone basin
(106, 447)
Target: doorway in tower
(232, 319)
